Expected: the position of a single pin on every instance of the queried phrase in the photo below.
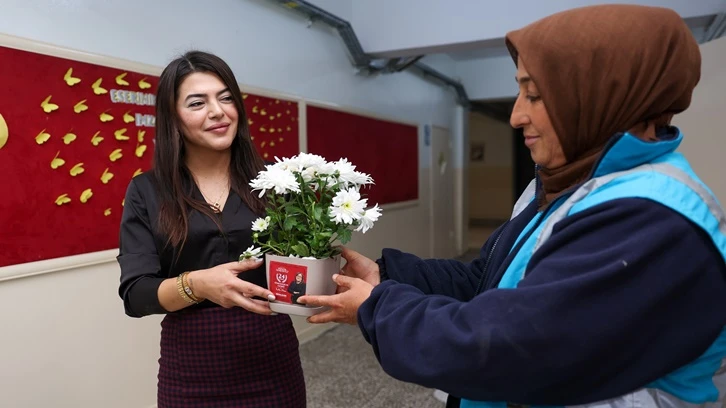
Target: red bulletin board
(274, 126)
(72, 135)
(388, 151)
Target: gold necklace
(216, 206)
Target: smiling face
(530, 115)
(298, 278)
(207, 114)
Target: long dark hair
(173, 178)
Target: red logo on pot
(287, 281)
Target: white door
(443, 241)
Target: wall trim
(26, 270)
(77, 55)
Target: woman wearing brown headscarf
(608, 285)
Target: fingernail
(335, 276)
(273, 314)
(271, 297)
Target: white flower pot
(316, 277)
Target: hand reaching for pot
(359, 266)
(344, 305)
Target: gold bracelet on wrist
(188, 289)
(180, 289)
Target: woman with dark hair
(183, 227)
(607, 288)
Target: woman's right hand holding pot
(222, 286)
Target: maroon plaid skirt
(217, 357)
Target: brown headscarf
(602, 70)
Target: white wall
(704, 143)
(65, 341)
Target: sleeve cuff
(367, 310)
(143, 298)
(382, 269)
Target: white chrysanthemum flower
(250, 253)
(326, 169)
(369, 217)
(306, 160)
(347, 207)
(349, 176)
(309, 174)
(289, 164)
(261, 224)
(323, 171)
(344, 167)
(282, 181)
(359, 179)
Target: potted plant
(311, 205)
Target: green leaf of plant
(292, 209)
(323, 236)
(318, 214)
(301, 249)
(345, 235)
(290, 223)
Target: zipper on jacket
(486, 263)
(486, 281)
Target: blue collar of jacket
(625, 151)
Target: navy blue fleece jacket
(604, 309)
